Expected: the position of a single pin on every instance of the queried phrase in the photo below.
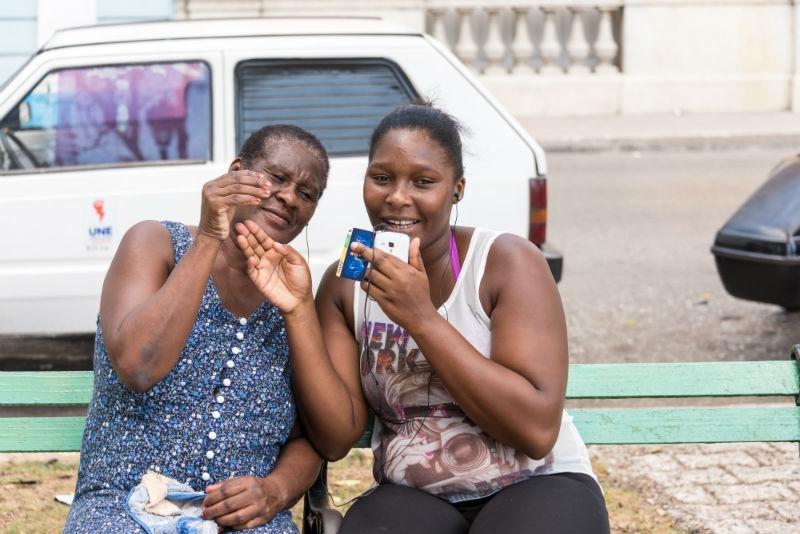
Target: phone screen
(351, 266)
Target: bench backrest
(597, 425)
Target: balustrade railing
(491, 36)
(572, 37)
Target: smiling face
(296, 176)
(410, 185)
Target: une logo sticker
(99, 236)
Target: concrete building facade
(539, 57)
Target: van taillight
(537, 224)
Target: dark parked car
(757, 249)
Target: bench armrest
(318, 516)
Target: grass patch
(28, 504)
(28, 489)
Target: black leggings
(568, 503)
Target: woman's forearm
(333, 419)
(499, 400)
(296, 470)
(147, 342)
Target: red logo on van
(99, 210)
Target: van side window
(111, 115)
(339, 101)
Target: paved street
(640, 285)
(639, 282)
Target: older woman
(192, 378)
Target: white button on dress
(242, 321)
(210, 454)
(220, 399)
(215, 414)
(205, 476)
(230, 364)
(226, 382)
(236, 350)
(239, 336)
(212, 435)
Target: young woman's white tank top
(422, 438)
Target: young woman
(461, 353)
(191, 362)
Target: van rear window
(111, 115)
(339, 101)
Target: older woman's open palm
(276, 269)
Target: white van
(109, 125)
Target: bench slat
(596, 426)
(41, 434)
(48, 388)
(683, 379)
(687, 425)
(586, 381)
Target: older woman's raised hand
(223, 194)
(276, 269)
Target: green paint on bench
(46, 388)
(687, 379)
(687, 425)
(586, 381)
(41, 434)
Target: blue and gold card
(351, 266)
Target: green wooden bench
(734, 422)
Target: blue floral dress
(224, 410)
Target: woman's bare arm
(147, 308)
(325, 363)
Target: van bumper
(555, 260)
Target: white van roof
(209, 28)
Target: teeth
(401, 224)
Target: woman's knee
(566, 503)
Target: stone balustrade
(574, 57)
(553, 38)
(491, 36)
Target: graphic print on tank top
(424, 440)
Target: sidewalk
(722, 489)
(665, 132)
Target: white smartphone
(393, 243)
